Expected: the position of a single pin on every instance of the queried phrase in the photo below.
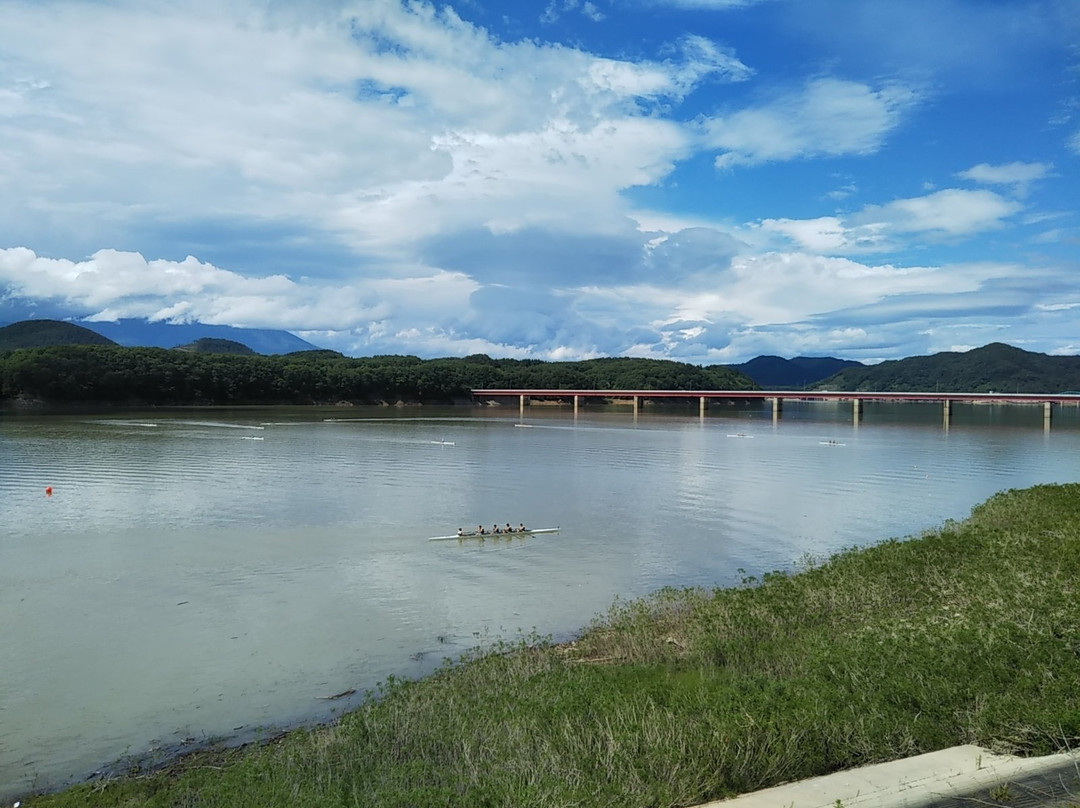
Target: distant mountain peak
(777, 373)
(46, 333)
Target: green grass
(968, 634)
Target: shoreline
(684, 696)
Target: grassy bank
(967, 634)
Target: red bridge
(777, 397)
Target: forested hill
(42, 333)
(993, 368)
(216, 345)
(77, 374)
(777, 373)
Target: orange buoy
(48, 490)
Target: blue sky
(702, 180)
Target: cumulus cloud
(828, 116)
(357, 120)
(111, 285)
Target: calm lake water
(212, 573)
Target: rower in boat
(496, 529)
(482, 533)
(508, 529)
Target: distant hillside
(44, 333)
(139, 333)
(216, 346)
(996, 367)
(777, 373)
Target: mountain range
(996, 367)
(992, 368)
(140, 333)
(770, 372)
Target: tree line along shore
(103, 374)
(966, 634)
(55, 362)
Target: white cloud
(830, 234)
(1017, 175)
(381, 107)
(555, 10)
(591, 11)
(570, 176)
(1008, 174)
(828, 117)
(703, 57)
(708, 5)
(949, 212)
(111, 285)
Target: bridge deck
(809, 395)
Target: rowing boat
(510, 535)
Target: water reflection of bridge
(777, 398)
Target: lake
(216, 573)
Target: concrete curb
(934, 779)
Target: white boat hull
(510, 535)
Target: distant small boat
(831, 443)
(510, 534)
(443, 442)
(739, 435)
(524, 426)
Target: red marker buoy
(48, 490)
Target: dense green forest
(78, 374)
(993, 368)
(217, 345)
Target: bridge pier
(522, 401)
(777, 407)
(577, 401)
(1048, 412)
(702, 406)
(637, 404)
(946, 413)
(856, 410)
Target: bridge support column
(856, 410)
(577, 402)
(777, 407)
(522, 401)
(637, 404)
(702, 406)
(946, 413)
(1048, 413)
